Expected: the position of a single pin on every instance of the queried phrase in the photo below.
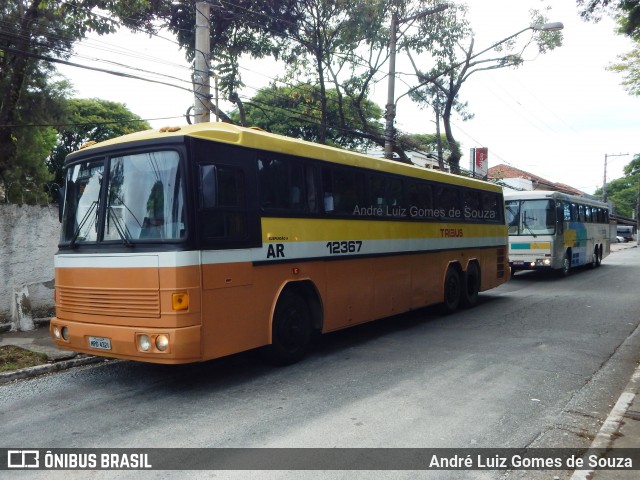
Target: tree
(34, 31)
(456, 59)
(90, 119)
(629, 67)
(627, 14)
(253, 28)
(623, 192)
(296, 111)
(329, 35)
(427, 143)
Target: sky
(556, 116)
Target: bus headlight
(144, 343)
(162, 342)
(56, 332)
(65, 333)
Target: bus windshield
(144, 200)
(531, 217)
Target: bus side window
(311, 188)
(447, 201)
(420, 197)
(273, 182)
(327, 190)
(343, 190)
(581, 215)
(223, 203)
(574, 213)
(208, 186)
(561, 211)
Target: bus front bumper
(533, 264)
(143, 344)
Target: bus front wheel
(566, 265)
(452, 290)
(291, 331)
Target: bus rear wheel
(291, 331)
(452, 290)
(471, 286)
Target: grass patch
(15, 358)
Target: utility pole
(201, 74)
(390, 110)
(604, 183)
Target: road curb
(48, 368)
(606, 436)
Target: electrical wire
(110, 72)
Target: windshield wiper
(122, 230)
(525, 225)
(76, 234)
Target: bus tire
(291, 330)
(471, 287)
(566, 264)
(594, 258)
(598, 256)
(452, 290)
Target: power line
(71, 64)
(86, 124)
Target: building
(521, 180)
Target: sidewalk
(40, 341)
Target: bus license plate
(100, 343)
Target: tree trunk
(439, 139)
(322, 131)
(17, 68)
(454, 159)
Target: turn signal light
(180, 301)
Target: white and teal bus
(554, 231)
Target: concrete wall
(28, 240)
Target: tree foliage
(426, 143)
(296, 111)
(454, 58)
(627, 14)
(90, 119)
(623, 192)
(336, 52)
(30, 31)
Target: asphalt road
(538, 363)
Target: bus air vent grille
(112, 302)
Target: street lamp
(389, 132)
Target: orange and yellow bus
(187, 244)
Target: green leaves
(90, 119)
(295, 111)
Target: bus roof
(262, 140)
(542, 194)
